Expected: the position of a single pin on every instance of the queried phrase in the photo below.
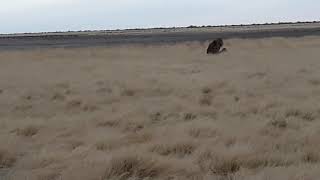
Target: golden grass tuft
(217, 164)
(220, 163)
(133, 166)
(179, 149)
(189, 116)
(202, 132)
(109, 123)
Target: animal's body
(215, 46)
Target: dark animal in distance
(215, 46)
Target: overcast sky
(61, 15)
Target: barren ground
(162, 112)
(158, 36)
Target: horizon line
(164, 27)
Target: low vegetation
(163, 112)
(7, 159)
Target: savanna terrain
(164, 112)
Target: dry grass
(278, 123)
(202, 132)
(73, 144)
(133, 166)
(311, 156)
(179, 149)
(127, 112)
(7, 159)
(307, 115)
(128, 92)
(106, 146)
(206, 90)
(205, 100)
(108, 123)
(28, 131)
(216, 164)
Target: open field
(162, 112)
(154, 36)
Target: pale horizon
(168, 27)
(32, 16)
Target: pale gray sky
(62, 15)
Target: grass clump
(128, 92)
(297, 113)
(308, 116)
(219, 165)
(228, 164)
(7, 160)
(206, 90)
(311, 156)
(133, 166)
(109, 123)
(202, 132)
(189, 116)
(279, 123)
(28, 131)
(180, 149)
(108, 145)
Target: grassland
(162, 112)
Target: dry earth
(162, 112)
(157, 36)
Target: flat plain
(162, 111)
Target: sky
(20, 16)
